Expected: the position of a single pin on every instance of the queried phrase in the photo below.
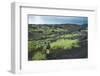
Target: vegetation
(65, 44)
(46, 41)
(39, 56)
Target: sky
(33, 19)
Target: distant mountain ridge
(63, 26)
(56, 24)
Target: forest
(57, 41)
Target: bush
(64, 44)
(34, 45)
(31, 46)
(39, 56)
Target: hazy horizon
(57, 20)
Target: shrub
(31, 46)
(39, 56)
(64, 44)
(34, 45)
